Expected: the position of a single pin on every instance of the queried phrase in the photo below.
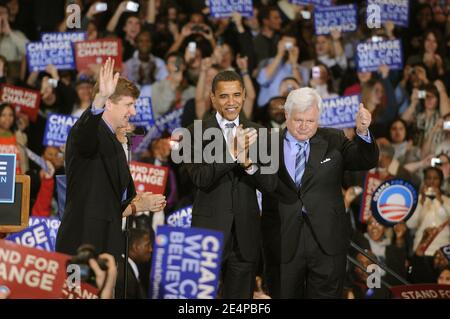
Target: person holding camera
(274, 70)
(100, 189)
(432, 211)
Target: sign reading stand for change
(24, 100)
(186, 263)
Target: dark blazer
(134, 286)
(320, 194)
(97, 176)
(226, 193)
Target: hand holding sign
(107, 83)
(363, 119)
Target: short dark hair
(226, 76)
(136, 234)
(437, 170)
(264, 13)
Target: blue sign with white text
(371, 55)
(181, 217)
(340, 112)
(7, 177)
(63, 36)
(58, 53)
(52, 225)
(323, 3)
(37, 236)
(446, 251)
(57, 129)
(186, 263)
(342, 18)
(224, 8)
(396, 11)
(144, 112)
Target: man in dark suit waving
(225, 198)
(313, 227)
(100, 189)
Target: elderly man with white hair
(313, 228)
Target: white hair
(302, 99)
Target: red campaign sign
(25, 101)
(149, 178)
(84, 291)
(31, 273)
(422, 291)
(371, 183)
(95, 52)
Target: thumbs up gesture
(363, 119)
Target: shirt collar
(292, 140)
(109, 126)
(222, 121)
(133, 266)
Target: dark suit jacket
(320, 194)
(97, 176)
(134, 287)
(226, 194)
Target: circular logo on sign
(161, 240)
(394, 201)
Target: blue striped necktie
(300, 163)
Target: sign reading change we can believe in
(340, 112)
(394, 201)
(396, 11)
(342, 18)
(371, 55)
(185, 263)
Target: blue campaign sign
(63, 36)
(186, 263)
(370, 55)
(323, 3)
(342, 18)
(394, 201)
(7, 177)
(57, 129)
(61, 186)
(36, 236)
(58, 53)
(144, 112)
(181, 217)
(224, 8)
(51, 223)
(340, 112)
(396, 11)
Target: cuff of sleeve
(366, 138)
(97, 111)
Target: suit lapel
(317, 150)
(112, 159)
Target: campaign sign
(168, 122)
(370, 55)
(31, 273)
(52, 225)
(24, 100)
(185, 263)
(61, 185)
(148, 177)
(96, 52)
(181, 218)
(323, 3)
(342, 18)
(57, 129)
(58, 53)
(421, 291)
(7, 177)
(144, 112)
(396, 11)
(37, 236)
(371, 182)
(340, 112)
(394, 201)
(83, 291)
(224, 8)
(446, 251)
(63, 36)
